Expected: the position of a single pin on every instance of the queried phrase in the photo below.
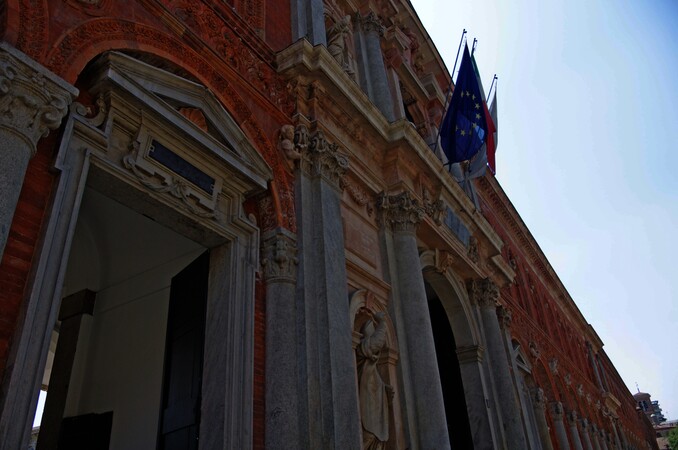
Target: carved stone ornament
(473, 252)
(287, 146)
(534, 350)
(483, 292)
(443, 260)
(31, 104)
(338, 44)
(372, 23)
(400, 212)
(434, 208)
(553, 365)
(567, 379)
(557, 409)
(584, 424)
(572, 417)
(580, 390)
(539, 397)
(358, 195)
(86, 112)
(505, 316)
(319, 157)
(279, 259)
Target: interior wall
(129, 260)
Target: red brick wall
(24, 236)
(278, 24)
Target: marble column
(485, 293)
(574, 431)
(329, 417)
(539, 406)
(585, 432)
(308, 21)
(279, 268)
(561, 432)
(33, 101)
(400, 215)
(595, 437)
(373, 77)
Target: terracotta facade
(355, 295)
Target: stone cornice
(400, 212)
(33, 101)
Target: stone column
(33, 101)
(308, 21)
(73, 309)
(539, 406)
(585, 432)
(373, 78)
(485, 293)
(615, 433)
(603, 440)
(329, 417)
(561, 432)
(574, 431)
(400, 215)
(595, 437)
(279, 267)
(625, 441)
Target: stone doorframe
(148, 120)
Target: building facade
(223, 226)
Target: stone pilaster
(561, 433)
(615, 434)
(328, 402)
(374, 79)
(586, 434)
(279, 270)
(308, 21)
(33, 101)
(400, 215)
(595, 437)
(574, 430)
(539, 406)
(603, 440)
(485, 293)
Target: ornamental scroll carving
(505, 316)
(434, 208)
(483, 292)
(279, 259)
(30, 103)
(400, 212)
(319, 157)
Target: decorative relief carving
(443, 261)
(572, 417)
(534, 350)
(30, 103)
(279, 259)
(505, 316)
(434, 208)
(400, 212)
(557, 410)
(580, 390)
(483, 292)
(338, 43)
(567, 379)
(539, 398)
(473, 252)
(553, 365)
(86, 111)
(358, 195)
(321, 157)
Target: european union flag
(464, 127)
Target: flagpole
(473, 47)
(449, 90)
(489, 94)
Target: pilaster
(33, 101)
(574, 431)
(539, 406)
(561, 433)
(586, 433)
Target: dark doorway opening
(458, 425)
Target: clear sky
(588, 117)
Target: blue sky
(588, 115)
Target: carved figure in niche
(286, 144)
(374, 392)
(336, 41)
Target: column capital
(319, 157)
(400, 212)
(371, 23)
(483, 292)
(584, 424)
(572, 417)
(279, 256)
(538, 397)
(33, 100)
(557, 410)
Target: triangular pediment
(192, 107)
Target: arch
(454, 298)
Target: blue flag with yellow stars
(464, 127)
